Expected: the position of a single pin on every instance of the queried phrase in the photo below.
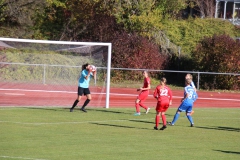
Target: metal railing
(76, 69)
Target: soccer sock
(175, 118)
(85, 103)
(137, 107)
(190, 119)
(157, 120)
(164, 120)
(75, 103)
(143, 106)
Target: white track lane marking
(9, 157)
(27, 90)
(115, 94)
(15, 94)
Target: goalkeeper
(83, 86)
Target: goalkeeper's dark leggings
(84, 105)
(75, 103)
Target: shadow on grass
(47, 109)
(119, 126)
(109, 111)
(221, 128)
(135, 120)
(122, 112)
(231, 152)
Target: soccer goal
(48, 70)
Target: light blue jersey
(192, 95)
(187, 104)
(83, 82)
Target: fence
(63, 74)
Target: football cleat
(170, 123)
(137, 114)
(148, 110)
(156, 128)
(82, 109)
(163, 127)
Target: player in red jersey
(163, 94)
(143, 94)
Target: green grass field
(115, 134)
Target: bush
(218, 54)
(134, 51)
(188, 33)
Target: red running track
(63, 96)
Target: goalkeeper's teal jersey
(83, 82)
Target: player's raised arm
(89, 73)
(94, 74)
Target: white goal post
(109, 45)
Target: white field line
(118, 120)
(116, 94)
(106, 121)
(9, 157)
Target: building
(228, 9)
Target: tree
(70, 20)
(21, 12)
(218, 54)
(2, 11)
(143, 16)
(17, 17)
(205, 7)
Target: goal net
(45, 73)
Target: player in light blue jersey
(189, 76)
(190, 96)
(83, 86)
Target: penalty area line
(10, 157)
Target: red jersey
(144, 93)
(146, 82)
(162, 93)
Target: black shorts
(82, 91)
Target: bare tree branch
(205, 7)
